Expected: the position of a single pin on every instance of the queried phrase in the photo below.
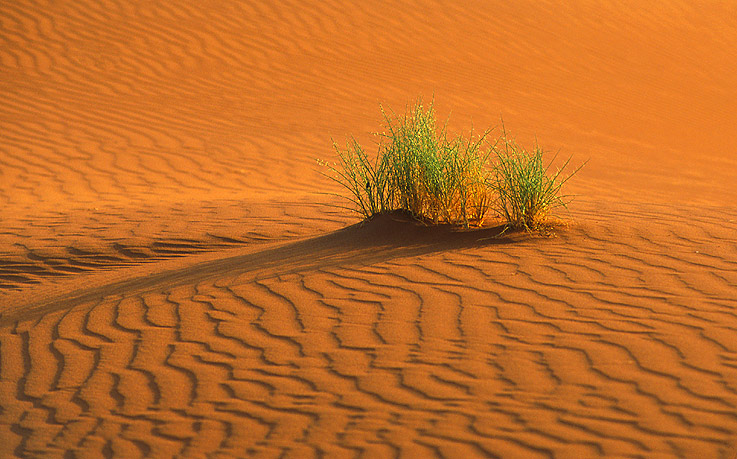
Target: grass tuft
(421, 170)
(366, 180)
(527, 193)
(431, 175)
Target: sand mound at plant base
(172, 284)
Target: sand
(174, 281)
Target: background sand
(172, 282)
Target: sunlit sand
(176, 279)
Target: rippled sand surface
(175, 282)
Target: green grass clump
(527, 193)
(367, 181)
(419, 169)
(433, 176)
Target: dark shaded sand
(172, 282)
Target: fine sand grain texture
(174, 284)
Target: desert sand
(175, 281)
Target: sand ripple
(174, 284)
(595, 343)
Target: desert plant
(526, 192)
(431, 175)
(419, 169)
(367, 180)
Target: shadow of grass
(379, 239)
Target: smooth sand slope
(173, 284)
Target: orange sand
(172, 283)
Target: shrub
(527, 193)
(367, 181)
(419, 169)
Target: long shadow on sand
(381, 238)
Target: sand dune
(173, 282)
